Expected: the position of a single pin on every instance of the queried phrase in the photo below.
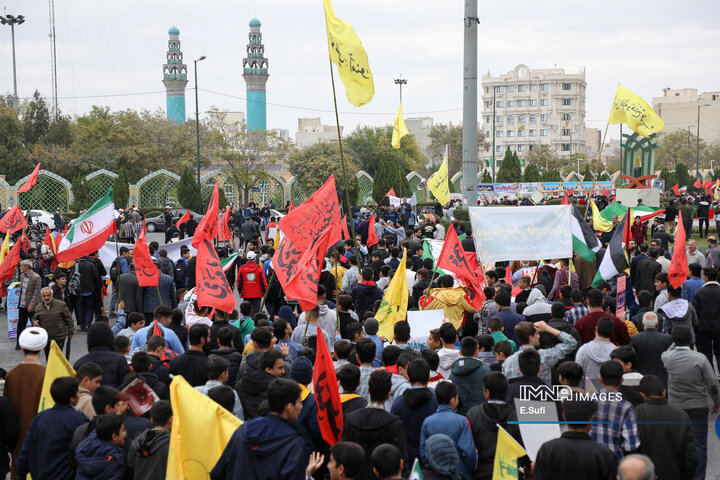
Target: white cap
(251, 255)
(33, 339)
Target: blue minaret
(255, 72)
(175, 78)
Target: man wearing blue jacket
(271, 446)
(455, 426)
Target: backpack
(546, 277)
(114, 271)
(74, 282)
(180, 271)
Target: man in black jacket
(253, 386)
(646, 271)
(130, 291)
(648, 345)
(192, 364)
(85, 292)
(706, 302)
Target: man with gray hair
(648, 345)
(636, 467)
(53, 315)
(30, 284)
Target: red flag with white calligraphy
(224, 228)
(327, 394)
(7, 267)
(299, 279)
(183, 219)
(306, 222)
(678, 271)
(13, 220)
(146, 271)
(31, 181)
(372, 236)
(207, 228)
(212, 287)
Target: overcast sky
(111, 53)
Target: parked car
(41, 217)
(157, 224)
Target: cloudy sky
(111, 53)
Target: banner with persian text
(522, 233)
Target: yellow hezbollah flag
(507, 452)
(599, 223)
(394, 303)
(635, 112)
(57, 366)
(399, 130)
(348, 54)
(200, 431)
(5, 247)
(438, 183)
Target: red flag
(301, 279)
(307, 222)
(391, 192)
(645, 218)
(565, 200)
(212, 287)
(678, 271)
(146, 271)
(372, 236)
(707, 183)
(13, 220)
(605, 192)
(58, 239)
(676, 190)
(183, 219)
(7, 267)
(24, 241)
(452, 256)
(207, 228)
(65, 234)
(49, 241)
(697, 183)
(343, 227)
(327, 394)
(292, 206)
(569, 191)
(157, 330)
(31, 181)
(508, 275)
(225, 233)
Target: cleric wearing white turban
(33, 339)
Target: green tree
(370, 144)
(12, 154)
(389, 175)
(36, 119)
(60, 132)
(82, 196)
(509, 170)
(121, 189)
(451, 135)
(531, 174)
(677, 147)
(668, 176)
(486, 177)
(187, 190)
(551, 175)
(313, 165)
(682, 176)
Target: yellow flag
(348, 54)
(399, 130)
(276, 242)
(438, 183)
(5, 248)
(507, 452)
(635, 112)
(57, 366)
(394, 303)
(200, 431)
(599, 223)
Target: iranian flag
(89, 231)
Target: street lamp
(197, 134)
(401, 82)
(12, 21)
(697, 158)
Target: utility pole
(493, 143)
(12, 21)
(401, 82)
(470, 145)
(697, 158)
(197, 135)
(53, 59)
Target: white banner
(522, 233)
(108, 252)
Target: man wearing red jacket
(251, 281)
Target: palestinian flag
(89, 231)
(225, 263)
(585, 243)
(615, 260)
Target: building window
(677, 94)
(565, 132)
(511, 103)
(498, 148)
(566, 117)
(521, 118)
(521, 103)
(499, 89)
(533, 103)
(533, 118)
(532, 133)
(511, 133)
(522, 88)
(487, 119)
(511, 88)
(566, 86)
(567, 102)
(499, 119)
(565, 147)
(521, 148)
(543, 102)
(499, 104)
(521, 132)
(498, 133)
(544, 87)
(543, 117)
(511, 147)
(487, 89)
(543, 132)
(488, 105)
(510, 119)
(533, 88)
(487, 134)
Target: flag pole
(432, 277)
(158, 290)
(342, 162)
(262, 303)
(117, 252)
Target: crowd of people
(643, 384)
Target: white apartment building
(528, 108)
(679, 110)
(310, 132)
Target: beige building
(679, 110)
(310, 132)
(420, 128)
(530, 108)
(592, 138)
